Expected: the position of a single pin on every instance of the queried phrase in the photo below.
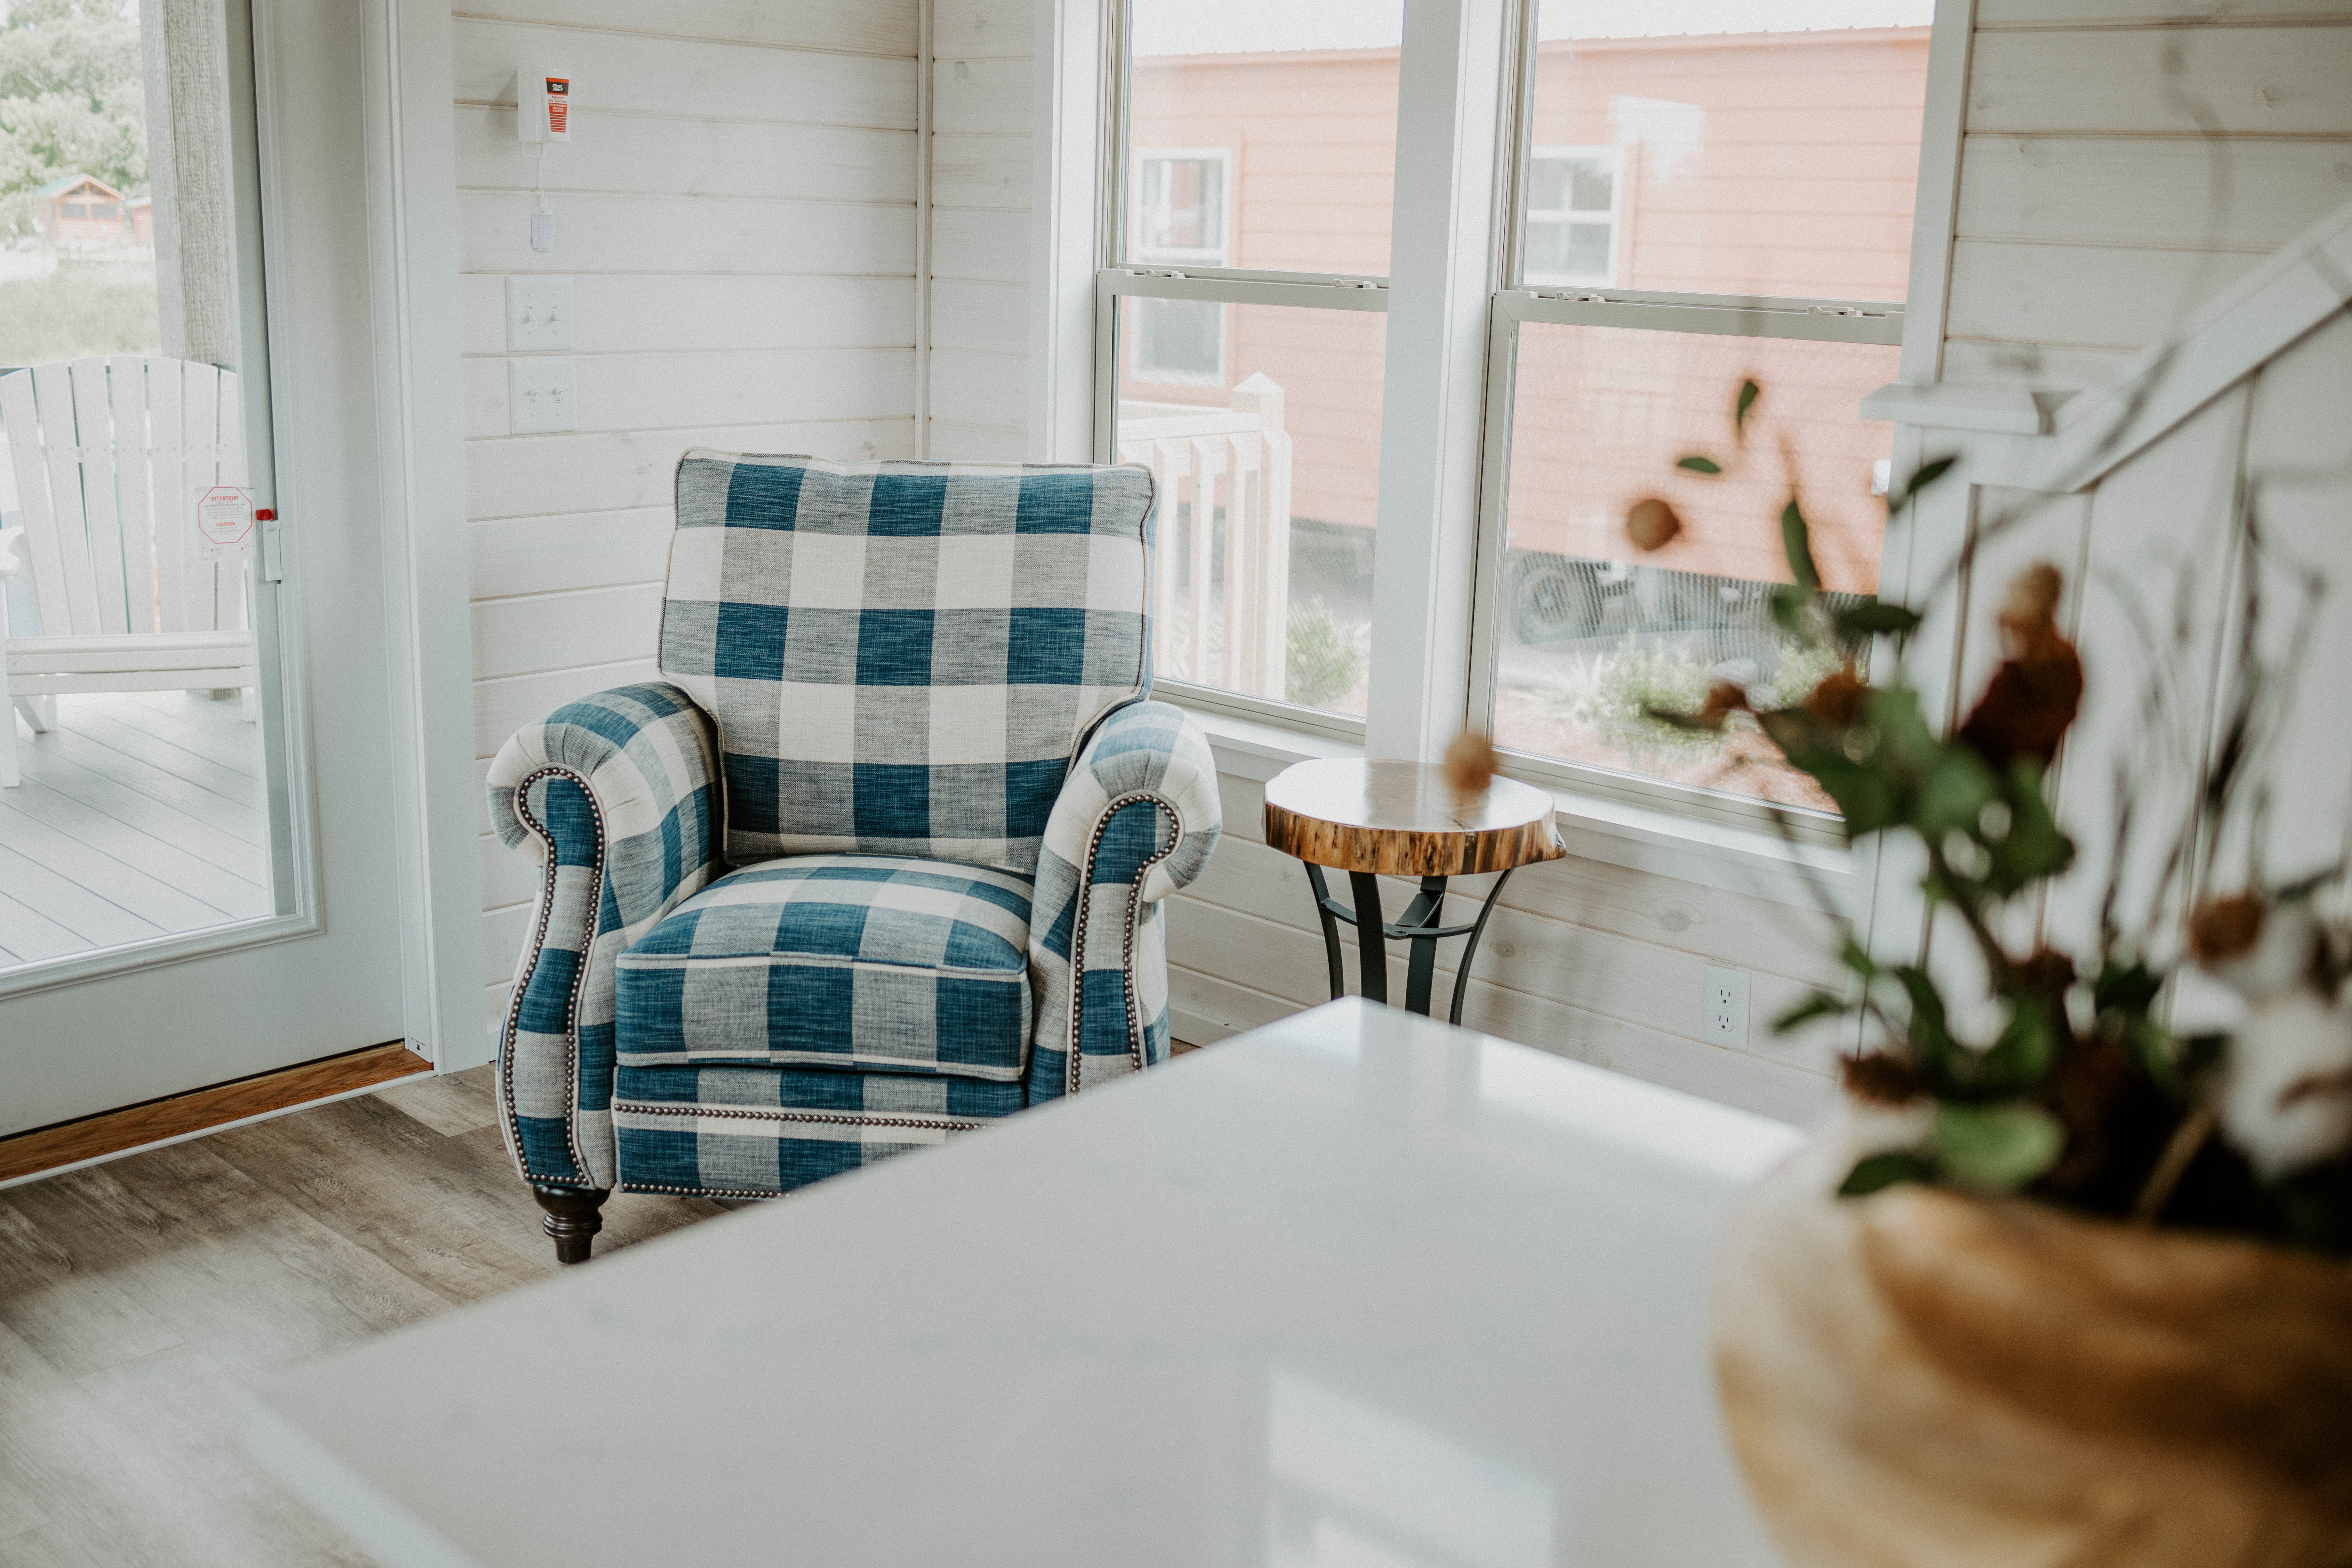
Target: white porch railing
(1220, 591)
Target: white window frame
(1186, 256)
(1454, 313)
(1614, 214)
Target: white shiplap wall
(2128, 160)
(983, 154)
(737, 212)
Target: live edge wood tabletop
(1371, 819)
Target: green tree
(72, 100)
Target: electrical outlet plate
(538, 315)
(1723, 1016)
(540, 395)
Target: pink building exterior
(1762, 164)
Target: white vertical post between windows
(1074, 98)
(1441, 279)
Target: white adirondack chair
(111, 458)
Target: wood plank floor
(140, 813)
(140, 1299)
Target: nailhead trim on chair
(666, 1108)
(1127, 950)
(579, 973)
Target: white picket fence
(1221, 590)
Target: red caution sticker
(225, 523)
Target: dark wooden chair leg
(572, 1218)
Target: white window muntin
(1573, 215)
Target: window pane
(1297, 99)
(1180, 340)
(1592, 630)
(1767, 146)
(1268, 480)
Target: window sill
(1753, 861)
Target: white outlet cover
(1723, 1007)
(538, 315)
(541, 395)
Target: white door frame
(412, 172)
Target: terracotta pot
(1924, 1380)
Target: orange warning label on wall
(559, 105)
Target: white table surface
(1355, 1289)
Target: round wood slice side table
(1375, 819)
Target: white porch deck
(140, 815)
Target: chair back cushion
(902, 656)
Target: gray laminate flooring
(140, 1299)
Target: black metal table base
(1418, 925)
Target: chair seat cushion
(847, 963)
(748, 1131)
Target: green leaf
(1880, 1172)
(2034, 847)
(1954, 793)
(1876, 619)
(1855, 957)
(1797, 539)
(1789, 609)
(1820, 1005)
(1699, 465)
(1928, 474)
(1997, 1147)
(1749, 392)
(1932, 1046)
(2126, 987)
(2028, 1049)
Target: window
(1239, 361)
(1573, 215)
(1180, 222)
(1697, 196)
(1768, 247)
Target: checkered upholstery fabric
(954, 813)
(753, 1132)
(616, 796)
(902, 656)
(874, 964)
(1137, 818)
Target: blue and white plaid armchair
(879, 862)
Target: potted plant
(2066, 1283)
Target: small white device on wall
(543, 105)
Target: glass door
(173, 823)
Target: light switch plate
(538, 315)
(540, 395)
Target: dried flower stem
(2187, 1140)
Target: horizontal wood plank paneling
(509, 876)
(973, 29)
(528, 475)
(600, 233)
(656, 391)
(640, 153)
(2242, 193)
(981, 171)
(993, 318)
(671, 313)
(504, 931)
(655, 75)
(2266, 81)
(951, 442)
(558, 631)
(971, 388)
(969, 95)
(980, 246)
(2012, 14)
(2082, 296)
(869, 26)
(579, 550)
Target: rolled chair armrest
(617, 797)
(1137, 818)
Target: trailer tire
(1553, 600)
